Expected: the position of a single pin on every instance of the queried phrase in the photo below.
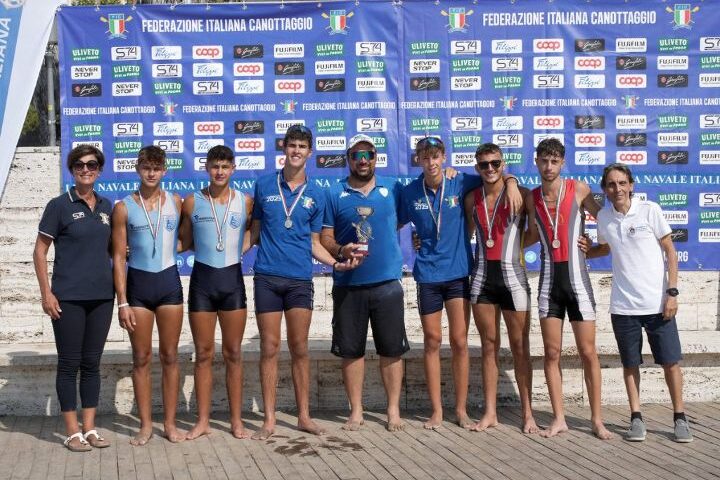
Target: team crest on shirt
(383, 191)
(453, 201)
(105, 218)
(170, 222)
(235, 220)
(307, 203)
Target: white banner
(24, 30)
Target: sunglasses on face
(362, 155)
(495, 164)
(429, 142)
(92, 166)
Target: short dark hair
(84, 149)
(619, 167)
(151, 154)
(550, 147)
(298, 132)
(220, 152)
(486, 148)
(430, 144)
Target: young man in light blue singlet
(148, 286)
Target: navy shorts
(432, 296)
(151, 290)
(278, 294)
(662, 336)
(383, 305)
(216, 289)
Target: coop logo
(208, 128)
(86, 89)
(457, 19)
(631, 45)
(711, 62)
(508, 140)
(630, 122)
(326, 126)
(463, 159)
(331, 161)
(630, 63)
(289, 68)
(673, 157)
(506, 81)
(117, 25)
(124, 165)
(425, 65)
(589, 139)
(324, 144)
(424, 48)
(555, 80)
(247, 127)
(710, 120)
(709, 199)
(589, 63)
(682, 15)
(672, 44)
(672, 62)
(250, 162)
(337, 21)
(326, 85)
(631, 157)
(465, 83)
(549, 64)
(248, 87)
(676, 217)
(666, 122)
(635, 80)
(369, 66)
(167, 88)
(589, 158)
(424, 124)
(590, 81)
(425, 83)
(539, 137)
(207, 52)
(249, 144)
(168, 129)
(126, 71)
(330, 67)
(675, 139)
(709, 235)
(86, 54)
(505, 64)
(281, 126)
(465, 124)
(678, 80)
(127, 89)
(508, 123)
(207, 70)
(507, 47)
(248, 51)
(167, 70)
(127, 129)
(589, 121)
(371, 125)
(85, 72)
(548, 122)
(166, 52)
(465, 47)
(170, 146)
(372, 84)
(673, 199)
(709, 139)
(370, 49)
(631, 140)
(203, 145)
(289, 50)
(249, 69)
(710, 44)
(88, 130)
(548, 45)
(124, 147)
(586, 45)
(710, 80)
(466, 141)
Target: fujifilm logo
(589, 158)
(370, 84)
(631, 45)
(674, 139)
(463, 159)
(381, 160)
(709, 235)
(672, 62)
(289, 50)
(507, 47)
(325, 144)
(711, 80)
(330, 67)
(425, 65)
(631, 122)
(709, 157)
(371, 125)
(676, 217)
(508, 123)
(281, 126)
(466, 124)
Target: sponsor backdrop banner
(24, 31)
(636, 83)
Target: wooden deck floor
(30, 447)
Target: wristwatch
(672, 292)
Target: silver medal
(288, 223)
(490, 243)
(219, 247)
(556, 243)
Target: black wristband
(340, 257)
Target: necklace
(490, 221)
(554, 224)
(153, 232)
(220, 246)
(288, 212)
(437, 219)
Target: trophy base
(362, 249)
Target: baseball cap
(359, 138)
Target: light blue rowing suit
(140, 239)
(205, 234)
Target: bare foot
(529, 426)
(487, 421)
(353, 425)
(200, 429)
(601, 432)
(434, 422)
(264, 433)
(395, 425)
(238, 430)
(173, 434)
(463, 421)
(556, 427)
(142, 438)
(309, 426)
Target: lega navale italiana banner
(630, 82)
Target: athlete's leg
(232, 325)
(169, 322)
(141, 341)
(518, 325)
(432, 333)
(458, 312)
(202, 325)
(391, 370)
(552, 341)
(269, 327)
(353, 370)
(487, 320)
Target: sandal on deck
(83, 447)
(93, 438)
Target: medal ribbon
(554, 224)
(297, 199)
(153, 232)
(491, 221)
(218, 227)
(437, 219)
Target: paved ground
(30, 447)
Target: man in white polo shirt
(642, 294)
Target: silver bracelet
(121, 305)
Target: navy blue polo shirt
(384, 261)
(449, 256)
(286, 252)
(82, 268)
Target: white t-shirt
(638, 263)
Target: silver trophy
(363, 230)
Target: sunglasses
(494, 163)
(429, 142)
(362, 155)
(92, 166)
(299, 129)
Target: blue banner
(632, 83)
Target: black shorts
(495, 290)
(662, 335)
(151, 290)
(216, 289)
(277, 294)
(432, 296)
(560, 294)
(383, 305)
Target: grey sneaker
(682, 431)
(636, 432)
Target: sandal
(93, 438)
(83, 447)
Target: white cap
(359, 138)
